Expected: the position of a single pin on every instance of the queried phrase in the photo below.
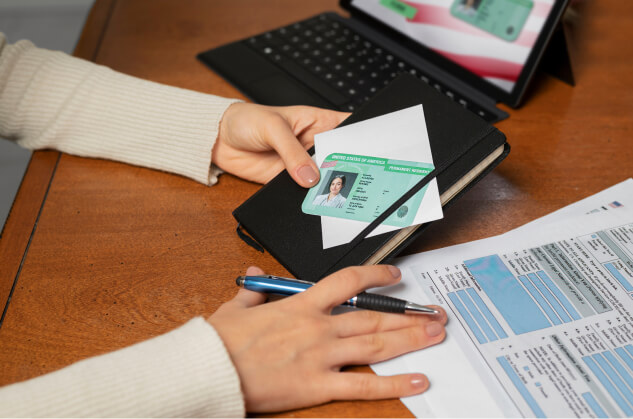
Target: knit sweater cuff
(186, 372)
(56, 101)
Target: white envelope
(399, 135)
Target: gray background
(52, 24)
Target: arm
(49, 99)
(184, 373)
(271, 357)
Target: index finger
(339, 287)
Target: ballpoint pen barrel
(272, 285)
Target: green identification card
(362, 187)
(502, 18)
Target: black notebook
(464, 147)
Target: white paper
(466, 377)
(400, 135)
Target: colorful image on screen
(490, 38)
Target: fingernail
(434, 329)
(419, 381)
(308, 175)
(395, 272)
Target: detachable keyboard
(339, 63)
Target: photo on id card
(360, 188)
(502, 18)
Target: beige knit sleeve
(184, 373)
(49, 99)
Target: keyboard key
(340, 84)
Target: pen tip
(413, 308)
(239, 281)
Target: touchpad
(279, 90)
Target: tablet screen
(492, 39)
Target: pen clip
(300, 281)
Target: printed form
(540, 318)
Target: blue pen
(271, 284)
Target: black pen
(270, 284)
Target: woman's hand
(289, 353)
(256, 142)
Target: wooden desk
(100, 255)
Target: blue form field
(593, 403)
(618, 275)
(467, 318)
(487, 313)
(540, 300)
(525, 393)
(617, 366)
(558, 293)
(625, 356)
(615, 378)
(608, 385)
(479, 318)
(514, 303)
(550, 297)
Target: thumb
(296, 159)
(246, 298)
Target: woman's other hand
(289, 353)
(256, 142)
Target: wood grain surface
(120, 254)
